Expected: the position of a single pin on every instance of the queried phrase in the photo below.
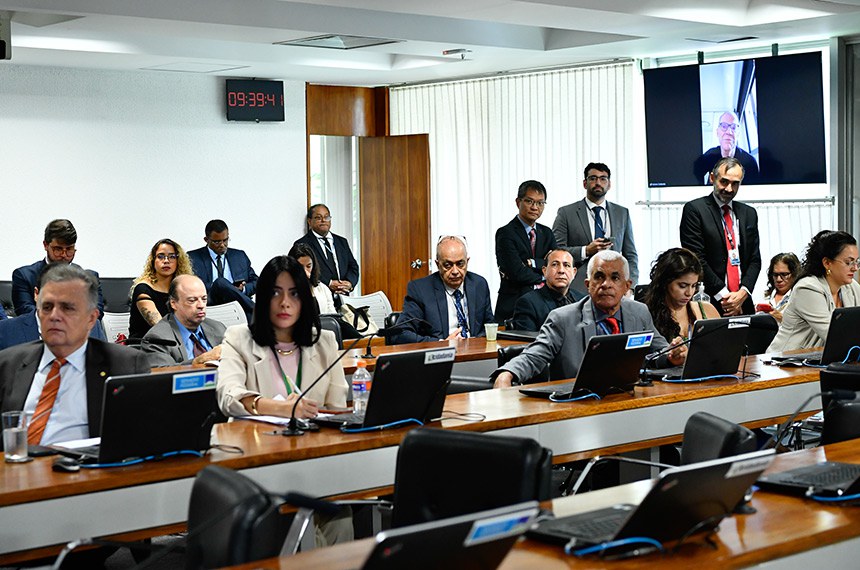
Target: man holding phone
(594, 224)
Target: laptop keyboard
(594, 527)
(339, 419)
(564, 387)
(822, 475)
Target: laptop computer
(716, 349)
(406, 385)
(610, 363)
(151, 414)
(829, 479)
(842, 334)
(684, 499)
(478, 540)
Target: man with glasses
(338, 267)
(594, 224)
(521, 245)
(59, 243)
(724, 234)
(727, 147)
(227, 273)
(447, 305)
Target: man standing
(724, 234)
(727, 146)
(594, 224)
(60, 380)
(521, 245)
(59, 244)
(562, 340)
(449, 304)
(195, 339)
(531, 309)
(227, 273)
(338, 267)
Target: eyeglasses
(166, 257)
(728, 127)
(529, 202)
(59, 250)
(321, 218)
(781, 276)
(219, 241)
(594, 178)
(850, 262)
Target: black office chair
(219, 535)
(838, 376)
(389, 321)
(6, 298)
(332, 323)
(841, 418)
(763, 327)
(507, 353)
(116, 292)
(639, 292)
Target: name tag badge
(734, 257)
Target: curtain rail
(828, 200)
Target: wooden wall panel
(346, 111)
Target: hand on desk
(282, 407)
(504, 380)
(454, 335)
(214, 354)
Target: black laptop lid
(150, 414)
(843, 333)
(409, 385)
(716, 348)
(611, 363)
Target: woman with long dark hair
(781, 276)
(149, 298)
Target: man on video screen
(727, 146)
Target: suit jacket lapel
(97, 373)
(177, 336)
(441, 295)
(24, 376)
(582, 215)
(520, 232)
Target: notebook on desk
(610, 362)
(842, 334)
(406, 385)
(152, 414)
(684, 500)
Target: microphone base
(291, 431)
(368, 355)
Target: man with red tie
(59, 380)
(724, 234)
(563, 338)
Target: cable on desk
(847, 356)
(553, 398)
(398, 423)
(824, 499)
(227, 448)
(142, 459)
(702, 379)
(604, 546)
(462, 416)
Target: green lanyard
(284, 374)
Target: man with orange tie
(563, 338)
(59, 380)
(724, 234)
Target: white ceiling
(236, 37)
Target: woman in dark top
(149, 299)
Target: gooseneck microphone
(397, 327)
(836, 394)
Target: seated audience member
(521, 247)
(563, 338)
(198, 339)
(531, 309)
(149, 298)
(449, 304)
(60, 380)
(675, 277)
(227, 273)
(303, 253)
(59, 244)
(826, 282)
(781, 276)
(3, 314)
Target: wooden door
(394, 200)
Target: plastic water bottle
(700, 295)
(361, 381)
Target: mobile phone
(610, 239)
(763, 308)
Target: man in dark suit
(595, 224)
(60, 380)
(338, 267)
(196, 339)
(724, 234)
(521, 245)
(227, 273)
(532, 309)
(59, 244)
(449, 304)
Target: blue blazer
(24, 282)
(426, 300)
(345, 260)
(240, 267)
(23, 328)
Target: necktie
(532, 239)
(612, 323)
(45, 403)
(599, 232)
(733, 276)
(461, 314)
(198, 346)
(219, 265)
(330, 253)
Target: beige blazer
(244, 364)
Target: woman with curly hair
(674, 276)
(149, 300)
(781, 277)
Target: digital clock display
(255, 100)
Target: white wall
(130, 158)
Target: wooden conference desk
(40, 508)
(799, 532)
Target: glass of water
(15, 437)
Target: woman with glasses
(826, 282)
(781, 276)
(149, 300)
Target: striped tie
(45, 404)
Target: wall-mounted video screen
(767, 112)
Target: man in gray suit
(184, 336)
(593, 224)
(564, 336)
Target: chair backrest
(841, 422)
(6, 298)
(507, 353)
(377, 303)
(115, 324)
(116, 292)
(762, 329)
(390, 321)
(838, 376)
(231, 520)
(445, 473)
(639, 292)
(707, 437)
(331, 323)
(228, 314)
